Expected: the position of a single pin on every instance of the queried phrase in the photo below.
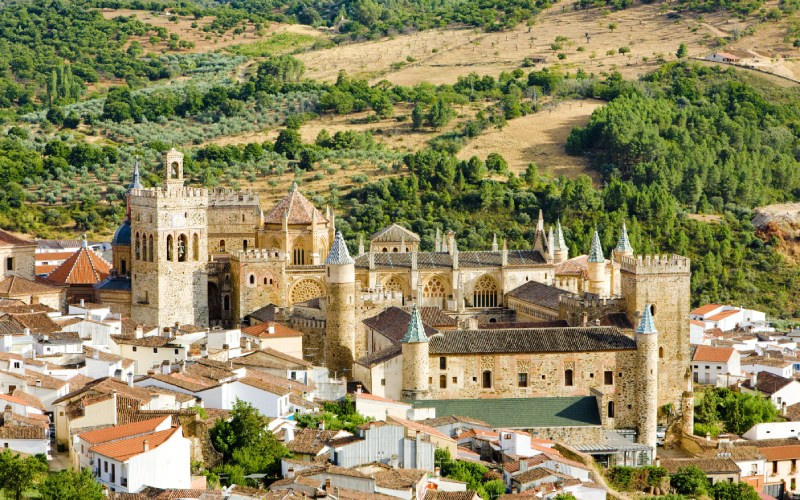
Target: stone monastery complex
(527, 322)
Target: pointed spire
(596, 253)
(624, 244)
(339, 255)
(360, 244)
(540, 222)
(550, 238)
(293, 188)
(494, 242)
(416, 330)
(135, 182)
(646, 325)
(559, 244)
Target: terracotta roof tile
(29, 399)
(574, 339)
(298, 209)
(706, 464)
(122, 431)
(270, 358)
(775, 453)
(393, 323)
(84, 267)
(394, 233)
(126, 448)
(10, 239)
(17, 285)
(105, 386)
(768, 383)
(261, 330)
(713, 354)
(539, 294)
(265, 386)
(35, 322)
(310, 441)
(702, 310)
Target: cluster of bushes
(488, 484)
(736, 412)
(649, 479)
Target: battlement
(258, 255)
(587, 301)
(225, 196)
(164, 192)
(656, 264)
(381, 298)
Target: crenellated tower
(169, 247)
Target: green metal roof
(624, 243)
(416, 330)
(596, 253)
(647, 325)
(521, 413)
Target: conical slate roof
(416, 330)
(84, 267)
(596, 253)
(135, 183)
(624, 244)
(646, 325)
(559, 244)
(339, 255)
(296, 208)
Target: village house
(272, 335)
(716, 365)
(781, 391)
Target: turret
(597, 267)
(550, 238)
(647, 368)
(173, 168)
(437, 241)
(560, 249)
(623, 248)
(539, 237)
(415, 353)
(340, 313)
(494, 243)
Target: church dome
(122, 236)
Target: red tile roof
(17, 285)
(122, 431)
(126, 448)
(84, 267)
(297, 207)
(416, 426)
(713, 354)
(781, 452)
(705, 309)
(7, 239)
(261, 330)
(722, 315)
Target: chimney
(708, 436)
(288, 435)
(146, 445)
(327, 484)
(45, 338)
(82, 303)
(7, 416)
(394, 461)
(322, 425)
(271, 329)
(358, 389)
(26, 331)
(584, 318)
(658, 462)
(38, 382)
(523, 465)
(138, 332)
(96, 354)
(753, 379)
(130, 379)
(336, 492)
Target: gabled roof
(573, 339)
(266, 313)
(393, 323)
(9, 239)
(768, 383)
(126, 448)
(419, 427)
(108, 385)
(17, 285)
(713, 354)
(296, 207)
(469, 259)
(706, 464)
(394, 233)
(539, 294)
(84, 268)
(35, 322)
(702, 310)
(722, 315)
(116, 432)
(270, 358)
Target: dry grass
(441, 56)
(538, 138)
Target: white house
(379, 408)
(276, 336)
(160, 459)
(782, 391)
(84, 441)
(22, 432)
(773, 430)
(775, 366)
(728, 318)
(149, 352)
(51, 344)
(101, 364)
(716, 365)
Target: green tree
(683, 51)
(69, 484)
(689, 480)
(440, 114)
(19, 474)
(417, 116)
(289, 144)
(496, 163)
(724, 490)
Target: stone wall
(572, 435)
(340, 328)
(546, 375)
(646, 395)
(233, 218)
(23, 262)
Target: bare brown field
(538, 138)
(441, 56)
(204, 42)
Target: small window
(568, 378)
(442, 381)
(155, 350)
(134, 348)
(661, 352)
(383, 381)
(9, 267)
(522, 379)
(443, 363)
(455, 380)
(176, 351)
(610, 411)
(265, 280)
(252, 279)
(608, 377)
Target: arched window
(485, 293)
(169, 247)
(252, 279)
(385, 250)
(244, 244)
(137, 250)
(442, 381)
(123, 266)
(568, 378)
(182, 251)
(221, 245)
(610, 411)
(661, 352)
(298, 253)
(150, 248)
(265, 280)
(195, 247)
(394, 250)
(486, 379)
(145, 253)
(174, 170)
(226, 302)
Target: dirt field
(538, 138)
(441, 56)
(204, 42)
